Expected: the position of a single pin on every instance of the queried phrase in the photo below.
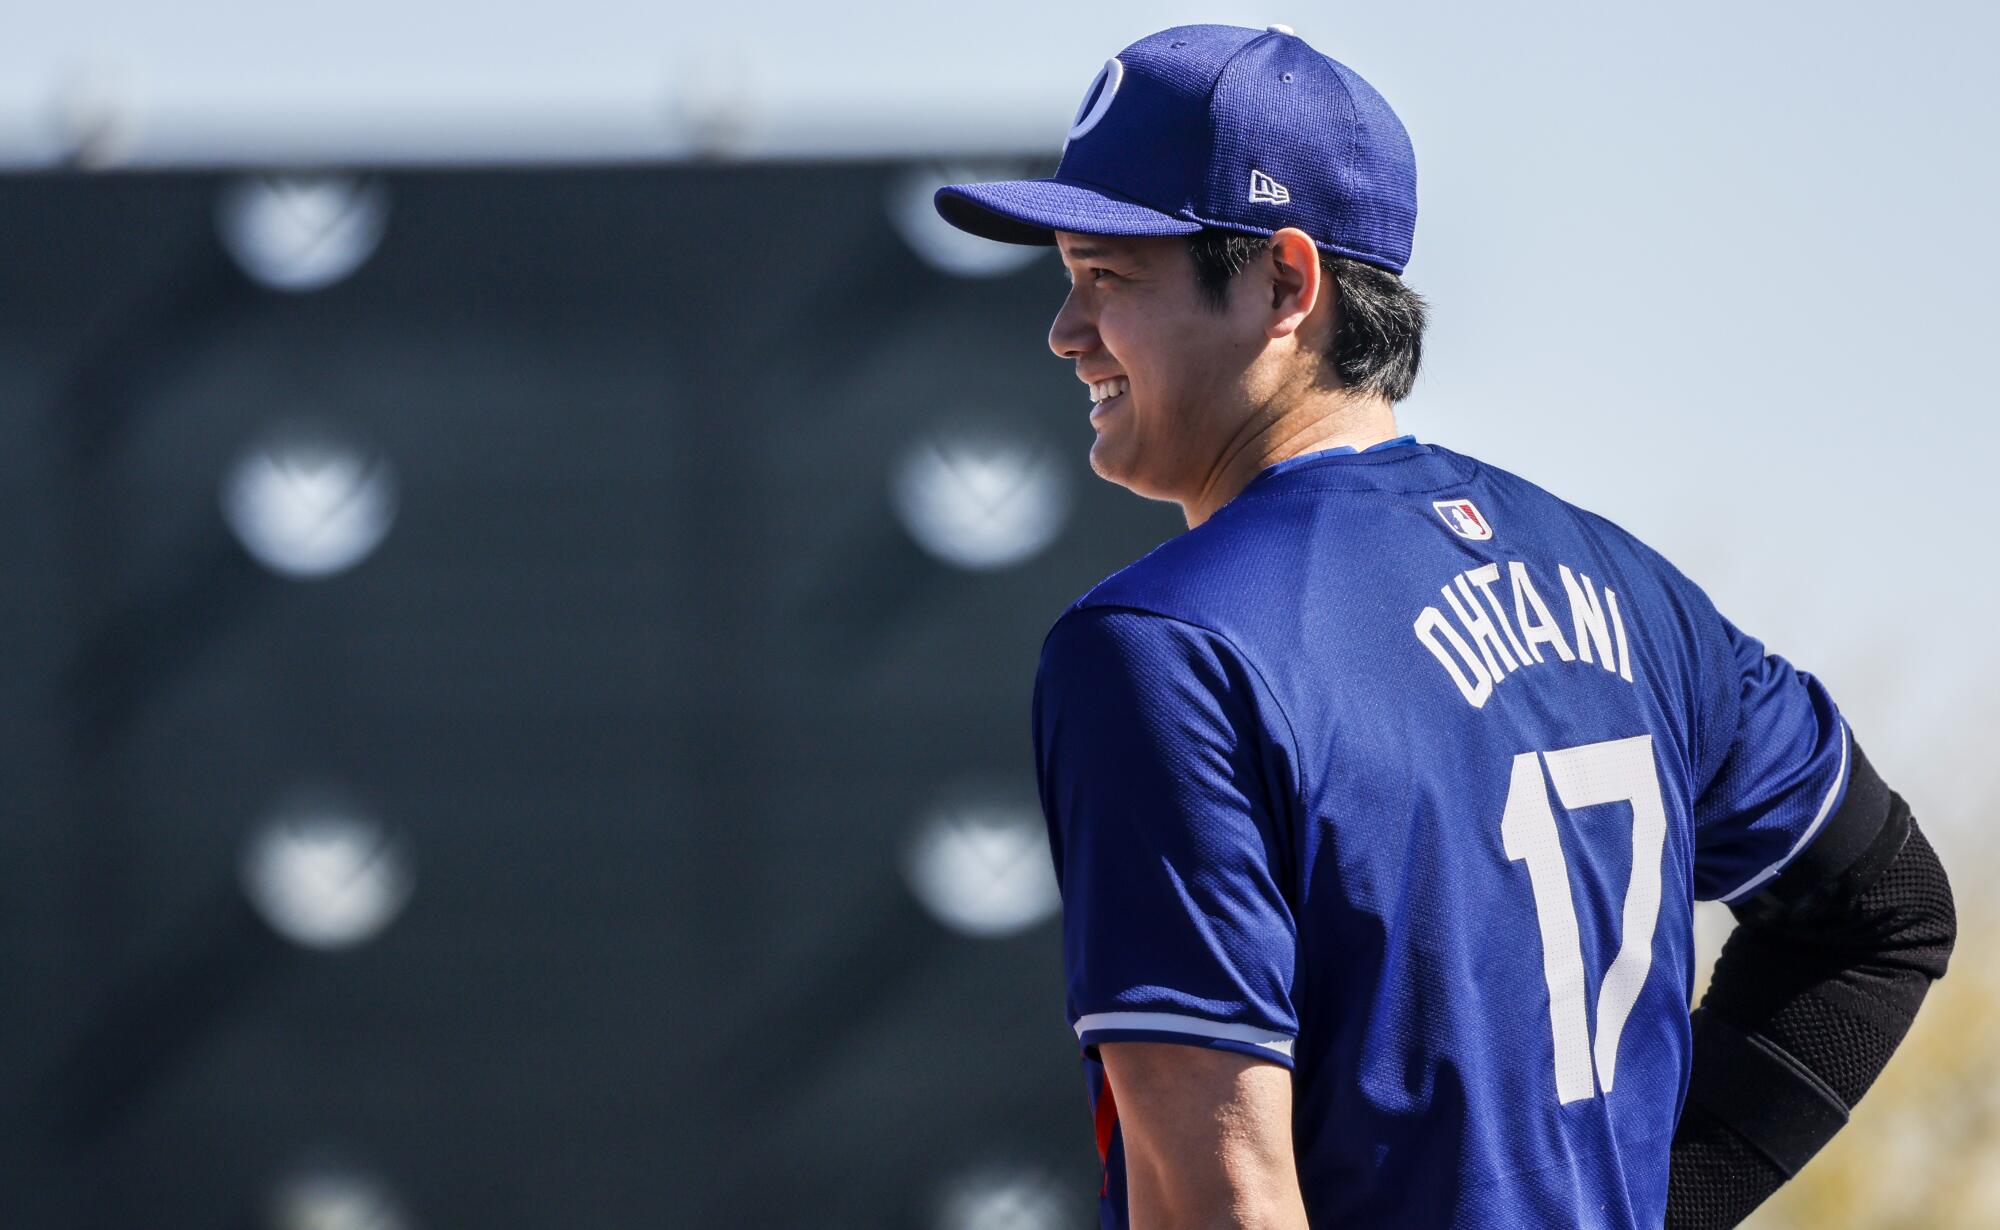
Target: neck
(1356, 422)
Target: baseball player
(1380, 798)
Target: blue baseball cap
(1217, 126)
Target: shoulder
(1102, 645)
(1128, 663)
(1204, 575)
(1177, 579)
(1120, 685)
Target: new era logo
(1463, 519)
(1264, 188)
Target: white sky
(1721, 271)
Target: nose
(1073, 333)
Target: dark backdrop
(647, 672)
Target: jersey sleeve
(1167, 776)
(1782, 769)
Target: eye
(1095, 273)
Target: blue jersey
(1403, 773)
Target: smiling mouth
(1102, 407)
(1107, 393)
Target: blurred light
(943, 246)
(999, 1198)
(300, 233)
(979, 862)
(325, 876)
(980, 500)
(95, 116)
(309, 502)
(716, 107)
(332, 1198)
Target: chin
(1114, 465)
(1106, 463)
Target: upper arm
(1208, 1137)
(1782, 763)
(1169, 803)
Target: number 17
(1621, 770)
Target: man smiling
(1157, 337)
(1380, 798)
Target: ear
(1292, 263)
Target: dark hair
(1378, 337)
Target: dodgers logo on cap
(1097, 99)
(1464, 519)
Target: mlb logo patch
(1464, 519)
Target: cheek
(1145, 346)
(1117, 333)
(1181, 366)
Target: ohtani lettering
(1497, 628)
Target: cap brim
(1033, 210)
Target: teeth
(1104, 390)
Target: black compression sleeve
(1811, 995)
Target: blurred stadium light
(308, 500)
(301, 232)
(998, 1197)
(944, 247)
(333, 1196)
(979, 862)
(94, 116)
(980, 498)
(324, 875)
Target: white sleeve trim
(1825, 808)
(1194, 1026)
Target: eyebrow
(1085, 252)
